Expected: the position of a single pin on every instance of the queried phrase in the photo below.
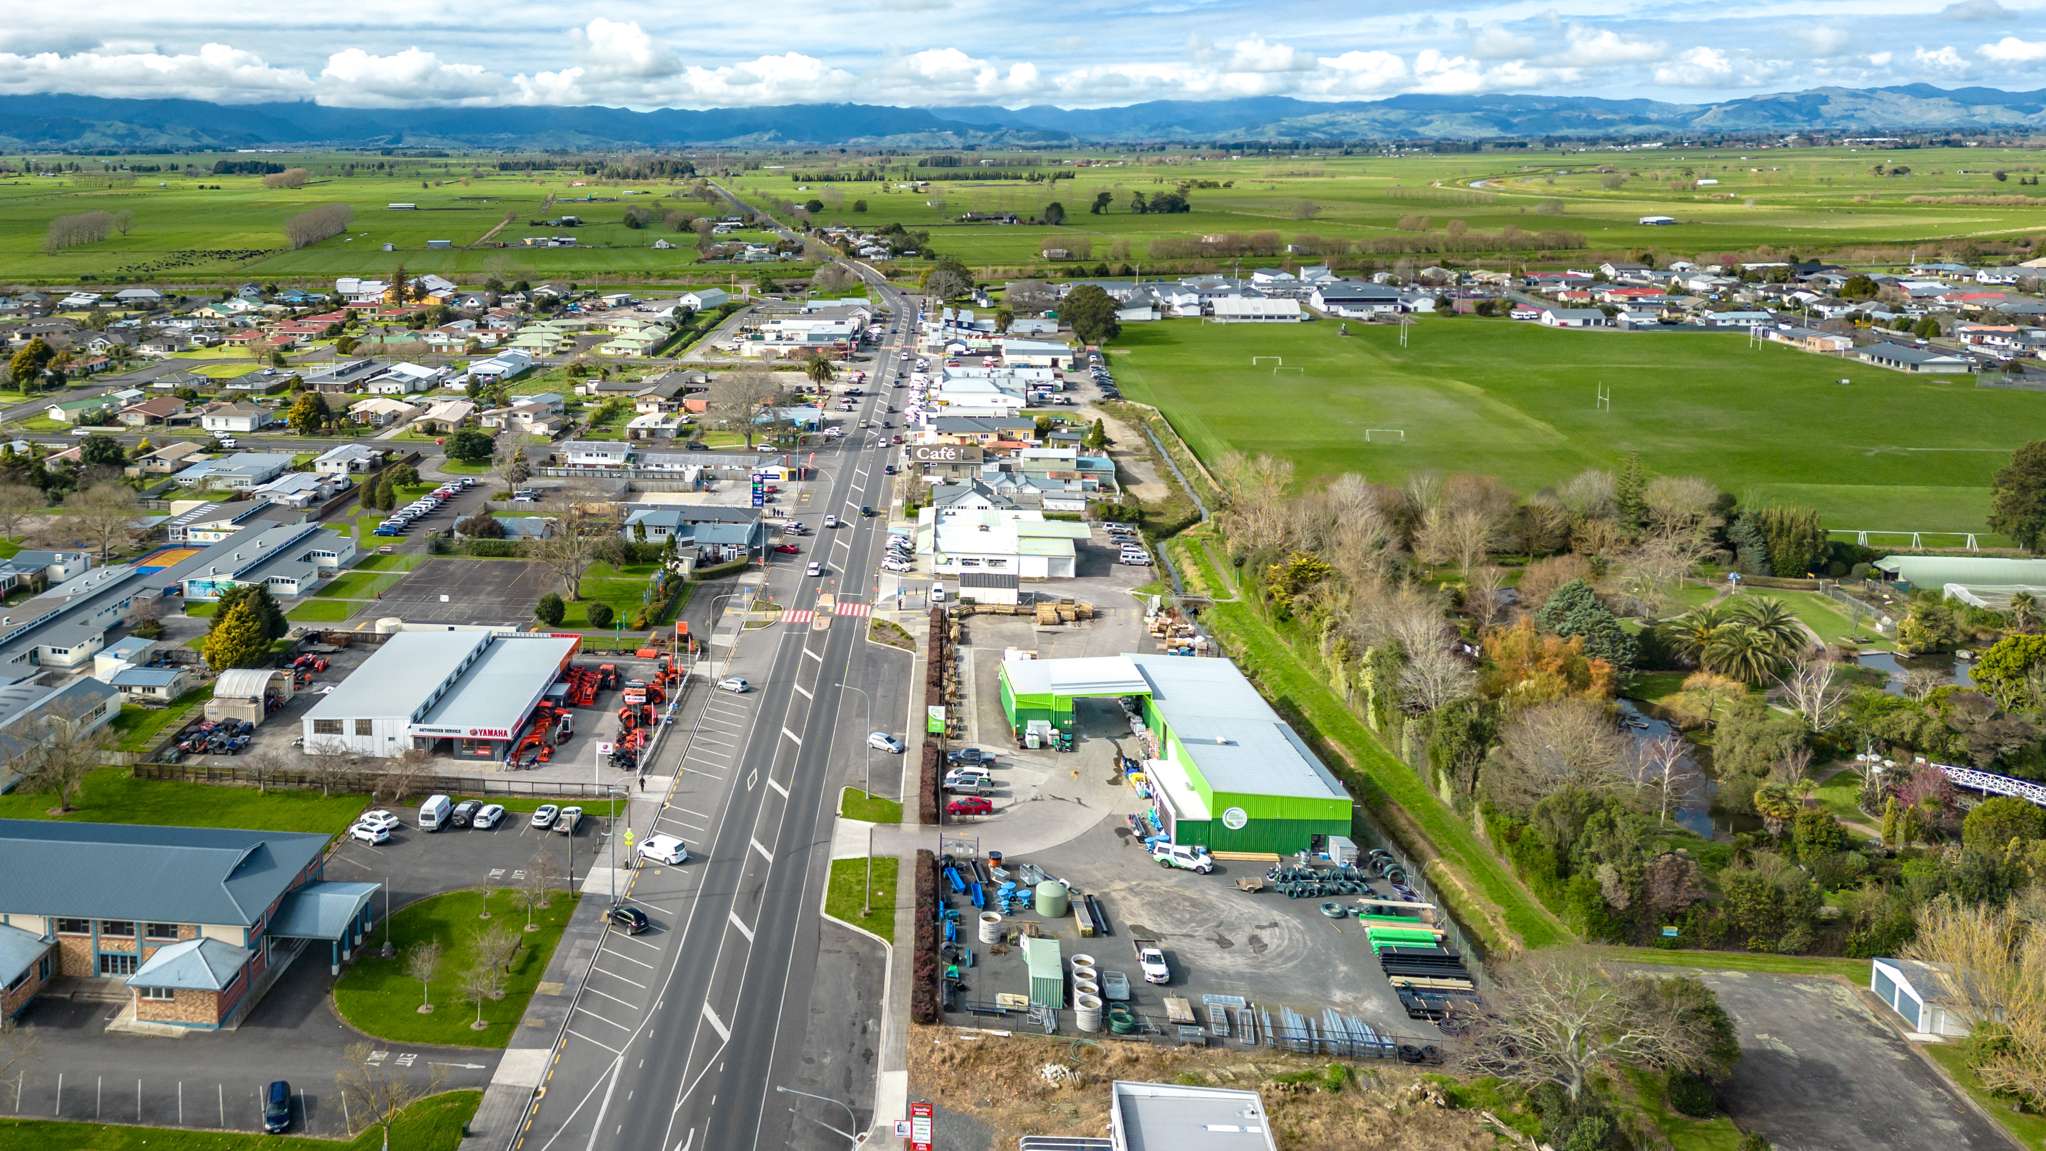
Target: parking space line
(587, 1039)
(813, 655)
(612, 998)
(618, 977)
(716, 1024)
(744, 930)
(581, 1010)
(776, 784)
(654, 947)
(626, 958)
(687, 811)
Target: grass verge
(376, 997)
(434, 1123)
(324, 610)
(842, 900)
(112, 795)
(136, 729)
(856, 804)
(1831, 966)
(2028, 1129)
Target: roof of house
(201, 964)
(147, 676)
(148, 872)
(1905, 354)
(18, 951)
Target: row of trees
(82, 228)
(315, 224)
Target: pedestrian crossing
(855, 609)
(800, 615)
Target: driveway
(1820, 1071)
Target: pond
(1694, 812)
(1895, 667)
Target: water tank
(1052, 900)
(390, 625)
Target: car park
(464, 813)
(735, 683)
(882, 741)
(565, 822)
(627, 918)
(664, 849)
(488, 816)
(544, 816)
(379, 818)
(970, 805)
(371, 835)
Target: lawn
(848, 882)
(856, 804)
(1855, 970)
(1768, 424)
(112, 795)
(1830, 618)
(395, 562)
(360, 583)
(323, 610)
(201, 609)
(435, 1123)
(136, 729)
(1839, 795)
(2028, 1129)
(1392, 791)
(375, 995)
(624, 588)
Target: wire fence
(355, 780)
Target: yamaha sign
(945, 454)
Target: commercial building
(1014, 541)
(465, 693)
(290, 559)
(1224, 771)
(1171, 1117)
(196, 921)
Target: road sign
(934, 720)
(902, 1128)
(628, 839)
(922, 1127)
(603, 749)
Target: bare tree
(497, 946)
(64, 752)
(423, 963)
(1551, 746)
(327, 760)
(403, 775)
(1659, 765)
(315, 224)
(1590, 494)
(377, 1090)
(1435, 676)
(736, 401)
(533, 889)
(1259, 488)
(103, 516)
(479, 986)
(1650, 573)
(1484, 597)
(1920, 682)
(579, 521)
(1795, 768)
(1462, 536)
(19, 503)
(1557, 1018)
(508, 461)
(1811, 686)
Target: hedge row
(934, 696)
(923, 995)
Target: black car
(464, 813)
(698, 446)
(968, 757)
(889, 470)
(866, 511)
(277, 1108)
(627, 918)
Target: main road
(718, 1008)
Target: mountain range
(62, 122)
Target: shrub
(1691, 1094)
(550, 610)
(600, 615)
(923, 994)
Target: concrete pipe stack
(1087, 1011)
(990, 927)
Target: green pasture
(1769, 424)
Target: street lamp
(613, 792)
(867, 768)
(853, 1117)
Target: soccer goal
(1385, 435)
(1256, 360)
(1295, 371)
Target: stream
(1694, 812)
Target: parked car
(1183, 857)
(465, 813)
(897, 567)
(544, 816)
(277, 1107)
(380, 818)
(969, 784)
(488, 816)
(735, 683)
(627, 918)
(788, 549)
(370, 835)
(970, 805)
(664, 849)
(1136, 560)
(566, 821)
(882, 741)
(969, 757)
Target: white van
(663, 849)
(433, 814)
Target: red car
(788, 549)
(970, 805)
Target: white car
(488, 815)
(735, 683)
(1186, 858)
(830, 521)
(897, 567)
(882, 741)
(379, 818)
(369, 834)
(1156, 969)
(543, 816)
(566, 821)
(815, 569)
(663, 849)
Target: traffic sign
(628, 839)
(922, 1126)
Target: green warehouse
(1229, 774)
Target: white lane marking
(792, 737)
(804, 691)
(587, 1039)
(626, 958)
(595, 970)
(580, 1010)
(762, 849)
(623, 938)
(813, 655)
(716, 1024)
(687, 811)
(743, 929)
(776, 784)
(612, 998)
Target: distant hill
(87, 122)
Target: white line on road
(744, 930)
(804, 692)
(587, 1039)
(792, 737)
(626, 958)
(595, 970)
(813, 655)
(762, 849)
(687, 811)
(716, 1024)
(581, 1010)
(623, 938)
(612, 998)
(776, 784)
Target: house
(1926, 361)
(152, 411)
(166, 459)
(192, 923)
(155, 685)
(299, 489)
(229, 417)
(82, 411)
(446, 416)
(235, 472)
(382, 411)
(38, 568)
(1810, 340)
(138, 297)
(509, 364)
(703, 533)
(348, 459)
(1257, 310)
(405, 379)
(1574, 318)
(345, 376)
(1919, 994)
(1011, 541)
(1354, 300)
(595, 454)
(1018, 352)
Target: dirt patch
(994, 1082)
(1133, 454)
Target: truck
(1194, 859)
(1151, 958)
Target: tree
(377, 1090)
(1138, 204)
(599, 614)
(1795, 538)
(481, 526)
(1004, 319)
(818, 369)
(1096, 439)
(948, 279)
(1102, 202)
(497, 946)
(2017, 501)
(1859, 286)
(423, 963)
(1092, 314)
(508, 461)
(1811, 688)
(1435, 676)
(2024, 611)
(102, 516)
(1928, 626)
(1658, 764)
(237, 640)
(1564, 743)
(579, 521)
(315, 224)
(64, 751)
(1750, 546)
(1557, 1018)
(550, 610)
(1997, 821)
(2013, 671)
(308, 415)
(1054, 213)
(1575, 610)
(18, 501)
(29, 362)
(1992, 960)
(737, 400)
(258, 596)
(470, 446)
(100, 451)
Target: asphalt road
(736, 953)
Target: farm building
(1917, 992)
(1225, 772)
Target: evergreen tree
(237, 639)
(1751, 550)
(1627, 489)
(1795, 538)
(1574, 610)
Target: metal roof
(1236, 741)
(323, 910)
(146, 676)
(1085, 676)
(194, 965)
(450, 679)
(144, 872)
(498, 689)
(18, 952)
(1169, 1117)
(245, 682)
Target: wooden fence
(355, 780)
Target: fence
(1232, 1022)
(353, 780)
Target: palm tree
(1742, 652)
(818, 369)
(2024, 611)
(1774, 621)
(1690, 636)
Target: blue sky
(373, 53)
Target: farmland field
(1803, 200)
(1887, 451)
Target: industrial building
(466, 693)
(1173, 1117)
(1012, 541)
(1224, 771)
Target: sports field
(1887, 451)
(1807, 201)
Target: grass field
(843, 899)
(111, 795)
(435, 1123)
(856, 804)
(1514, 400)
(1807, 200)
(2029, 1129)
(376, 997)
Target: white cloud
(778, 79)
(2011, 50)
(1358, 73)
(1498, 42)
(1599, 47)
(1824, 39)
(214, 72)
(1258, 55)
(1975, 10)
(1881, 59)
(1943, 58)
(621, 49)
(1696, 68)
(354, 78)
(1446, 75)
(950, 72)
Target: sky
(403, 53)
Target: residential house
(166, 459)
(348, 459)
(595, 454)
(382, 411)
(82, 411)
(1810, 339)
(151, 412)
(406, 379)
(1574, 318)
(506, 365)
(235, 418)
(235, 472)
(445, 416)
